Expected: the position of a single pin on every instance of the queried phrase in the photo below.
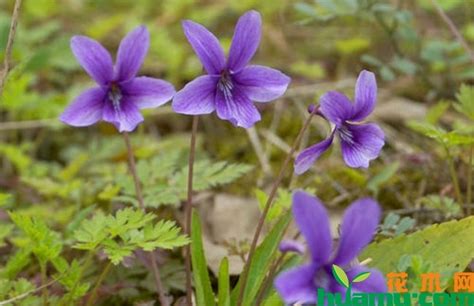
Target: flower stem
(454, 177)
(268, 204)
(138, 191)
(44, 291)
(454, 30)
(268, 279)
(188, 210)
(8, 48)
(271, 273)
(469, 179)
(100, 280)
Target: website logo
(429, 294)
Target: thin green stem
(99, 282)
(268, 204)
(188, 210)
(85, 266)
(454, 177)
(141, 203)
(44, 290)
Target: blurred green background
(58, 173)
(321, 44)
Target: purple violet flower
(359, 223)
(119, 95)
(230, 85)
(360, 142)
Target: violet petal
(206, 46)
(245, 41)
(357, 229)
(312, 220)
(125, 116)
(147, 92)
(235, 106)
(361, 143)
(94, 58)
(336, 107)
(131, 53)
(297, 284)
(291, 246)
(262, 84)
(86, 109)
(197, 97)
(306, 158)
(365, 95)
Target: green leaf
(446, 245)
(465, 99)
(394, 225)
(351, 46)
(340, 276)
(127, 219)
(76, 221)
(45, 244)
(165, 235)
(384, 176)
(448, 139)
(448, 206)
(130, 229)
(262, 260)
(91, 233)
(5, 230)
(435, 112)
(404, 65)
(281, 204)
(207, 174)
(223, 297)
(273, 300)
(116, 252)
(5, 198)
(16, 155)
(165, 178)
(202, 282)
(361, 277)
(16, 263)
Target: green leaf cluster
(394, 225)
(20, 291)
(164, 178)
(44, 243)
(129, 230)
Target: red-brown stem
(271, 274)
(268, 279)
(138, 191)
(8, 49)
(268, 204)
(469, 180)
(188, 210)
(453, 29)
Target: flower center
(225, 85)
(322, 278)
(346, 134)
(115, 95)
